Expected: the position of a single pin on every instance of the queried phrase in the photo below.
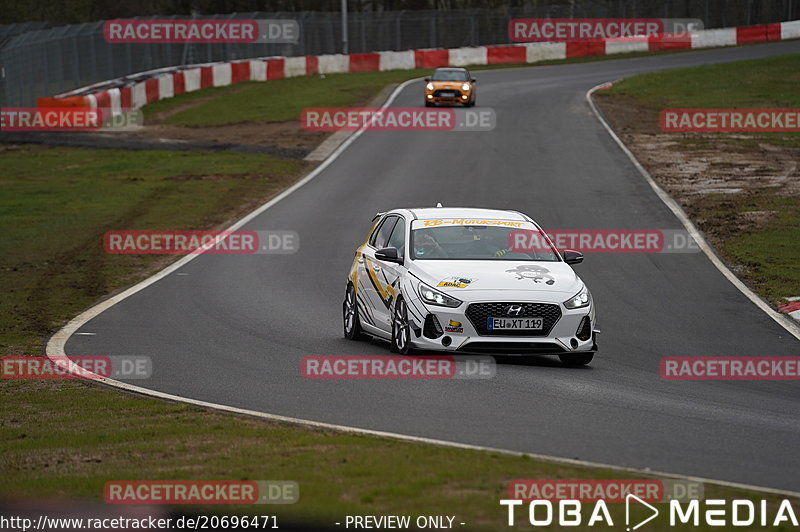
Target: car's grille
(479, 312)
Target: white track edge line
(57, 342)
(55, 346)
(428, 441)
(679, 213)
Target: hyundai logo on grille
(513, 310)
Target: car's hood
(459, 277)
(447, 84)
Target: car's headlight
(429, 86)
(465, 87)
(434, 297)
(579, 300)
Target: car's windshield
(450, 75)
(480, 240)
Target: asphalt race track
(233, 329)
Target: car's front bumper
(562, 338)
(460, 97)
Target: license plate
(447, 94)
(515, 324)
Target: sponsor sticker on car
(456, 282)
(454, 327)
(468, 221)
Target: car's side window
(398, 238)
(381, 234)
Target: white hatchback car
(469, 281)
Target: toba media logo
(712, 512)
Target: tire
(573, 361)
(350, 319)
(428, 104)
(401, 331)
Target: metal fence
(37, 60)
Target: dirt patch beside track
(281, 135)
(272, 134)
(738, 189)
(703, 171)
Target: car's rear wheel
(576, 360)
(401, 330)
(352, 323)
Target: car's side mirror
(473, 80)
(388, 255)
(572, 257)
(427, 79)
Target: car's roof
(449, 68)
(465, 212)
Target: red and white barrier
(294, 66)
(713, 38)
(166, 83)
(461, 57)
(790, 30)
(624, 46)
(396, 60)
(333, 64)
(547, 51)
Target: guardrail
(138, 90)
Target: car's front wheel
(576, 360)
(352, 323)
(401, 330)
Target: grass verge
(51, 450)
(743, 189)
(58, 202)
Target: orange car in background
(450, 86)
